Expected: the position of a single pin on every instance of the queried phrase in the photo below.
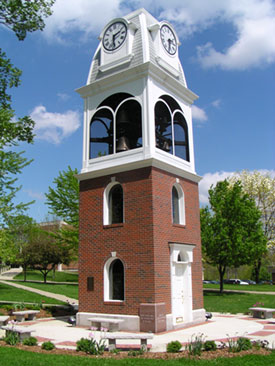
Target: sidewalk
(219, 328)
(13, 272)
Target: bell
(122, 144)
(166, 146)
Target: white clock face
(168, 39)
(114, 36)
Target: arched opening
(163, 127)
(116, 204)
(116, 280)
(101, 134)
(178, 205)
(116, 126)
(171, 128)
(181, 136)
(175, 206)
(128, 126)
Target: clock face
(114, 36)
(168, 39)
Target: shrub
(135, 353)
(48, 346)
(115, 351)
(243, 344)
(240, 344)
(31, 341)
(210, 346)
(12, 338)
(195, 346)
(173, 347)
(83, 345)
(90, 346)
(19, 306)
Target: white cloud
(54, 127)
(35, 195)
(206, 182)
(199, 114)
(63, 96)
(252, 20)
(85, 16)
(216, 103)
(212, 178)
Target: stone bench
(22, 332)
(4, 319)
(110, 323)
(113, 337)
(262, 312)
(20, 315)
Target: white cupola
(137, 104)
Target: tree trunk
(257, 268)
(221, 273)
(25, 272)
(45, 276)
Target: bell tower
(139, 250)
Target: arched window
(114, 280)
(178, 205)
(171, 128)
(116, 126)
(116, 205)
(113, 204)
(175, 206)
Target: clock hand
(115, 36)
(169, 44)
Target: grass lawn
(59, 276)
(67, 290)
(235, 302)
(15, 357)
(10, 293)
(264, 288)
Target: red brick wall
(141, 242)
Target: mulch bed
(148, 355)
(42, 314)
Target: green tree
(63, 201)
(20, 231)
(231, 230)
(261, 188)
(45, 252)
(11, 133)
(20, 16)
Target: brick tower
(139, 250)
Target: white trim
(106, 208)
(135, 73)
(124, 166)
(181, 283)
(181, 204)
(121, 61)
(106, 272)
(167, 67)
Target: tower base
(151, 319)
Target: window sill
(183, 226)
(115, 302)
(113, 225)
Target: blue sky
(228, 56)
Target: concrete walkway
(13, 272)
(220, 328)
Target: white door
(178, 294)
(181, 283)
